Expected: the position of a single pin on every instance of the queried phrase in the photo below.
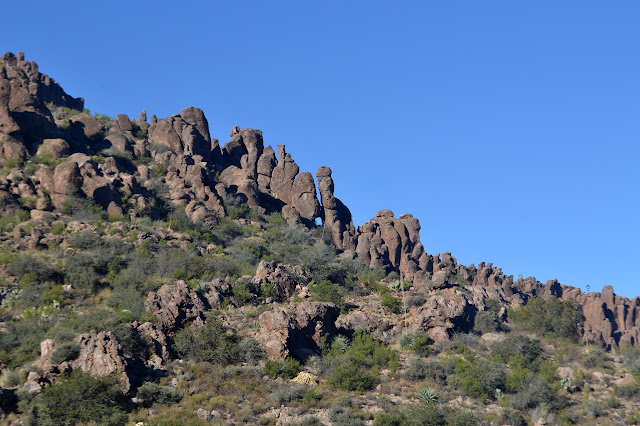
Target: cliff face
(200, 174)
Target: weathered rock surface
(101, 355)
(299, 334)
(283, 278)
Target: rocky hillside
(145, 251)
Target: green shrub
(553, 316)
(390, 419)
(487, 322)
(212, 343)
(596, 359)
(418, 369)
(514, 345)
(65, 352)
(393, 304)
(351, 375)
(536, 392)
(326, 291)
(250, 351)
(152, 394)
(78, 398)
(287, 369)
(343, 414)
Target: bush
(596, 359)
(351, 375)
(418, 369)
(81, 273)
(326, 291)
(553, 316)
(212, 343)
(250, 351)
(393, 304)
(529, 348)
(536, 392)
(487, 322)
(78, 398)
(287, 369)
(342, 414)
(65, 352)
(152, 394)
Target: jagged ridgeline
(163, 230)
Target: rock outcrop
(298, 334)
(112, 162)
(101, 355)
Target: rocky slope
(53, 153)
(200, 173)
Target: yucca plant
(428, 396)
(341, 342)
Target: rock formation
(115, 164)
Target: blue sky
(510, 129)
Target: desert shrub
(326, 291)
(393, 304)
(212, 343)
(38, 270)
(536, 392)
(552, 316)
(289, 393)
(440, 415)
(633, 419)
(287, 369)
(512, 417)
(417, 300)
(20, 340)
(418, 342)
(67, 351)
(80, 272)
(250, 351)
(629, 391)
(153, 394)
(487, 322)
(351, 375)
(418, 369)
(85, 240)
(78, 398)
(529, 348)
(343, 414)
(596, 359)
(390, 419)
(129, 302)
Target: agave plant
(407, 341)
(341, 342)
(428, 396)
(201, 287)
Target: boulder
(54, 149)
(67, 177)
(101, 355)
(283, 278)
(85, 127)
(174, 305)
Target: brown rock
(66, 177)
(84, 126)
(54, 148)
(101, 355)
(283, 278)
(174, 305)
(336, 217)
(123, 122)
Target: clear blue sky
(510, 129)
